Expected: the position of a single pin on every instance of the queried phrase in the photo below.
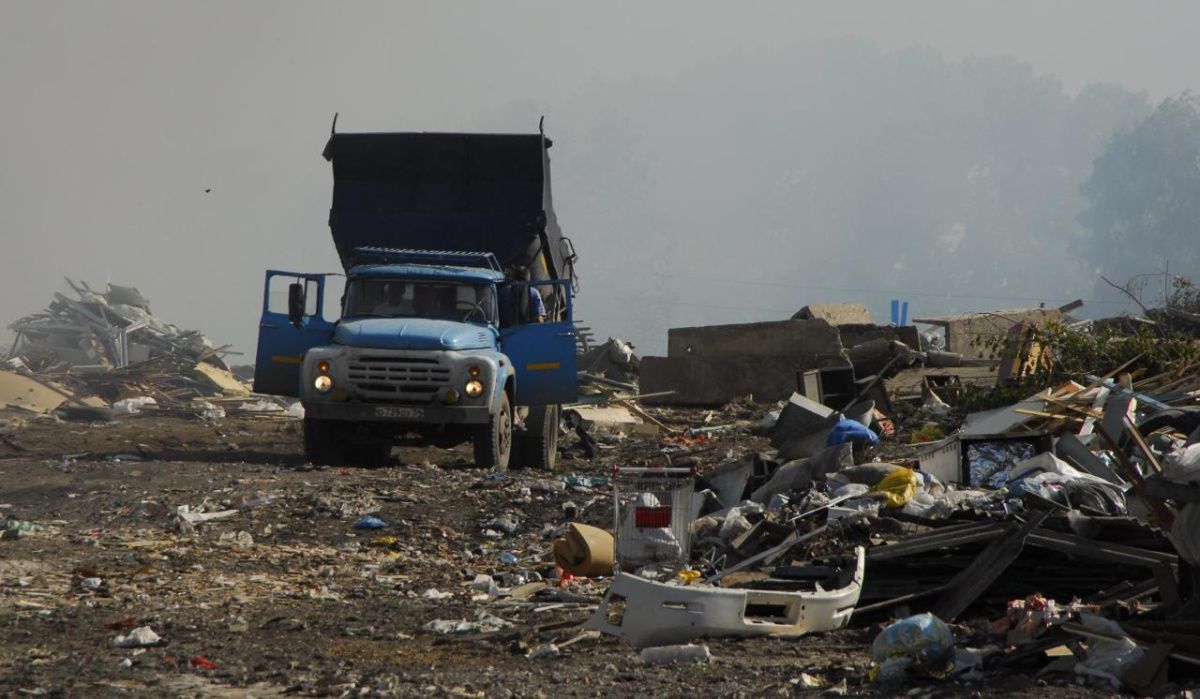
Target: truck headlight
(474, 388)
(323, 384)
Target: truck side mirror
(296, 303)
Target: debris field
(877, 516)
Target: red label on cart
(652, 517)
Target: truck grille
(397, 378)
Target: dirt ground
(287, 597)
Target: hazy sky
(118, 116)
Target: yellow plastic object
(898, 486)
(385, 541)
(688, 576)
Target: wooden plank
(1141, 444)
(1164, 515)
(631, 407)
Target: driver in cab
(392, 303)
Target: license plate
(400, 413)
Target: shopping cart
(652, 514)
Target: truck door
(281, 344)
(543, 354)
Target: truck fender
(505, 383)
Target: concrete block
(712, 365)
(814, 343)
(799, 418)
(858, 333)
(835, 313)
(611, 419)
(699, 381)
(974, 335)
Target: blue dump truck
(455, 323)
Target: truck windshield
(420, 298)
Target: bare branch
(1158, 328)
(1128, 293)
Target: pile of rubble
(833, 352)
(104, 354)
(1065, 527)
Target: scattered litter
(203, 663)
(138, 638)
(482, 623)
(547, 651)
(369, 522)
(669, 655)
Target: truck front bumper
(412, 414)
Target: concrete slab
(704, 382)
(612, 419)
(835, 313)
(813, 342)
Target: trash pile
(614, 360)
(1071, 518)
(104, 354)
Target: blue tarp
(851, 431)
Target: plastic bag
(640, 546)
(921, 643)
(1183, 465)
(899, 487)
(1107, 659)
(132, 406)
(854, 489)
(1054, 479)
(1185, 533)
(734, 525)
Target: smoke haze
(712, 163)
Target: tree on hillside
(1142, 201)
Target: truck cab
(430, 346)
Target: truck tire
(322, 442)
(539, 445)
(493, 442)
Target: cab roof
(479, 275)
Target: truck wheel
(539, 446)
(493, 442)
(322, 442)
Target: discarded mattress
(646, 613)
